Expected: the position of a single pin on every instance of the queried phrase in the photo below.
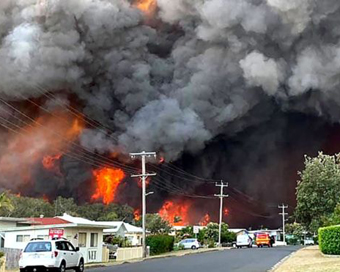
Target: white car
(308, 242)
(244, 241)
(51, 255)
(190, 244)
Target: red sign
(56, 233)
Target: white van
(243, 240)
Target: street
(233, 260)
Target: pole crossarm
(144, 175)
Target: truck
(263, 239)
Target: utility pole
(221, 196)
(143, 177)
(283, 207)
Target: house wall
(7, 225)
(134, 238)
(91, 254)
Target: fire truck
(263, 239)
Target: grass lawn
(310, 259)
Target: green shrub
(179, 247)
(329, 240)
(211, 244)
(2, 254)
(293, 241)
(160, 244)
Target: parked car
(263, 239)
(112, 250)
(190, 243)
(51, 255)
(243, 240)
(308, 242)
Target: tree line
(26, 207)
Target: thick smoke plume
(198, 70)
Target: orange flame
(175, 213)
(148, 7)
(137, 215)
(49, 162)
(205, 220)
(39, 141)
(107, 180)
(140, 184)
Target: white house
(114, 228)
(10, 222)
(132, 233)
(83, 233)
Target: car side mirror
(77, 248)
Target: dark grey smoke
(229, 55)
(199, 71)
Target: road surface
(233, 260)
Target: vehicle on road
(263, 239)
(190, 243)
(308, 242)
(57, 255)
(243, 240)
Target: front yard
(310, 259)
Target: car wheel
(22, 269)
(194, 247)
(62, 267)
(80, 267)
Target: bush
(211, 244)
(329, 240)
(293, 241)
(160, 244)
(2, 254)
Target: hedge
(329, 240)
(160, 244)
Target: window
(82, 239)
(61, 246)
(70, 247)
(94, 240)
(38, 247)
(23, 238)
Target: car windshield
(38, 247)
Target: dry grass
(310, 259)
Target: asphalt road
(233, 260)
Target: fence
(12, 257)
(129, 253)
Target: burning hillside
(223, 89)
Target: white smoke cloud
(260, 71)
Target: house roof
(65, 221)
(114, 226)
(236, 230)
(48, 221)
(12, 219)
(132, 229)
(76, 220)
